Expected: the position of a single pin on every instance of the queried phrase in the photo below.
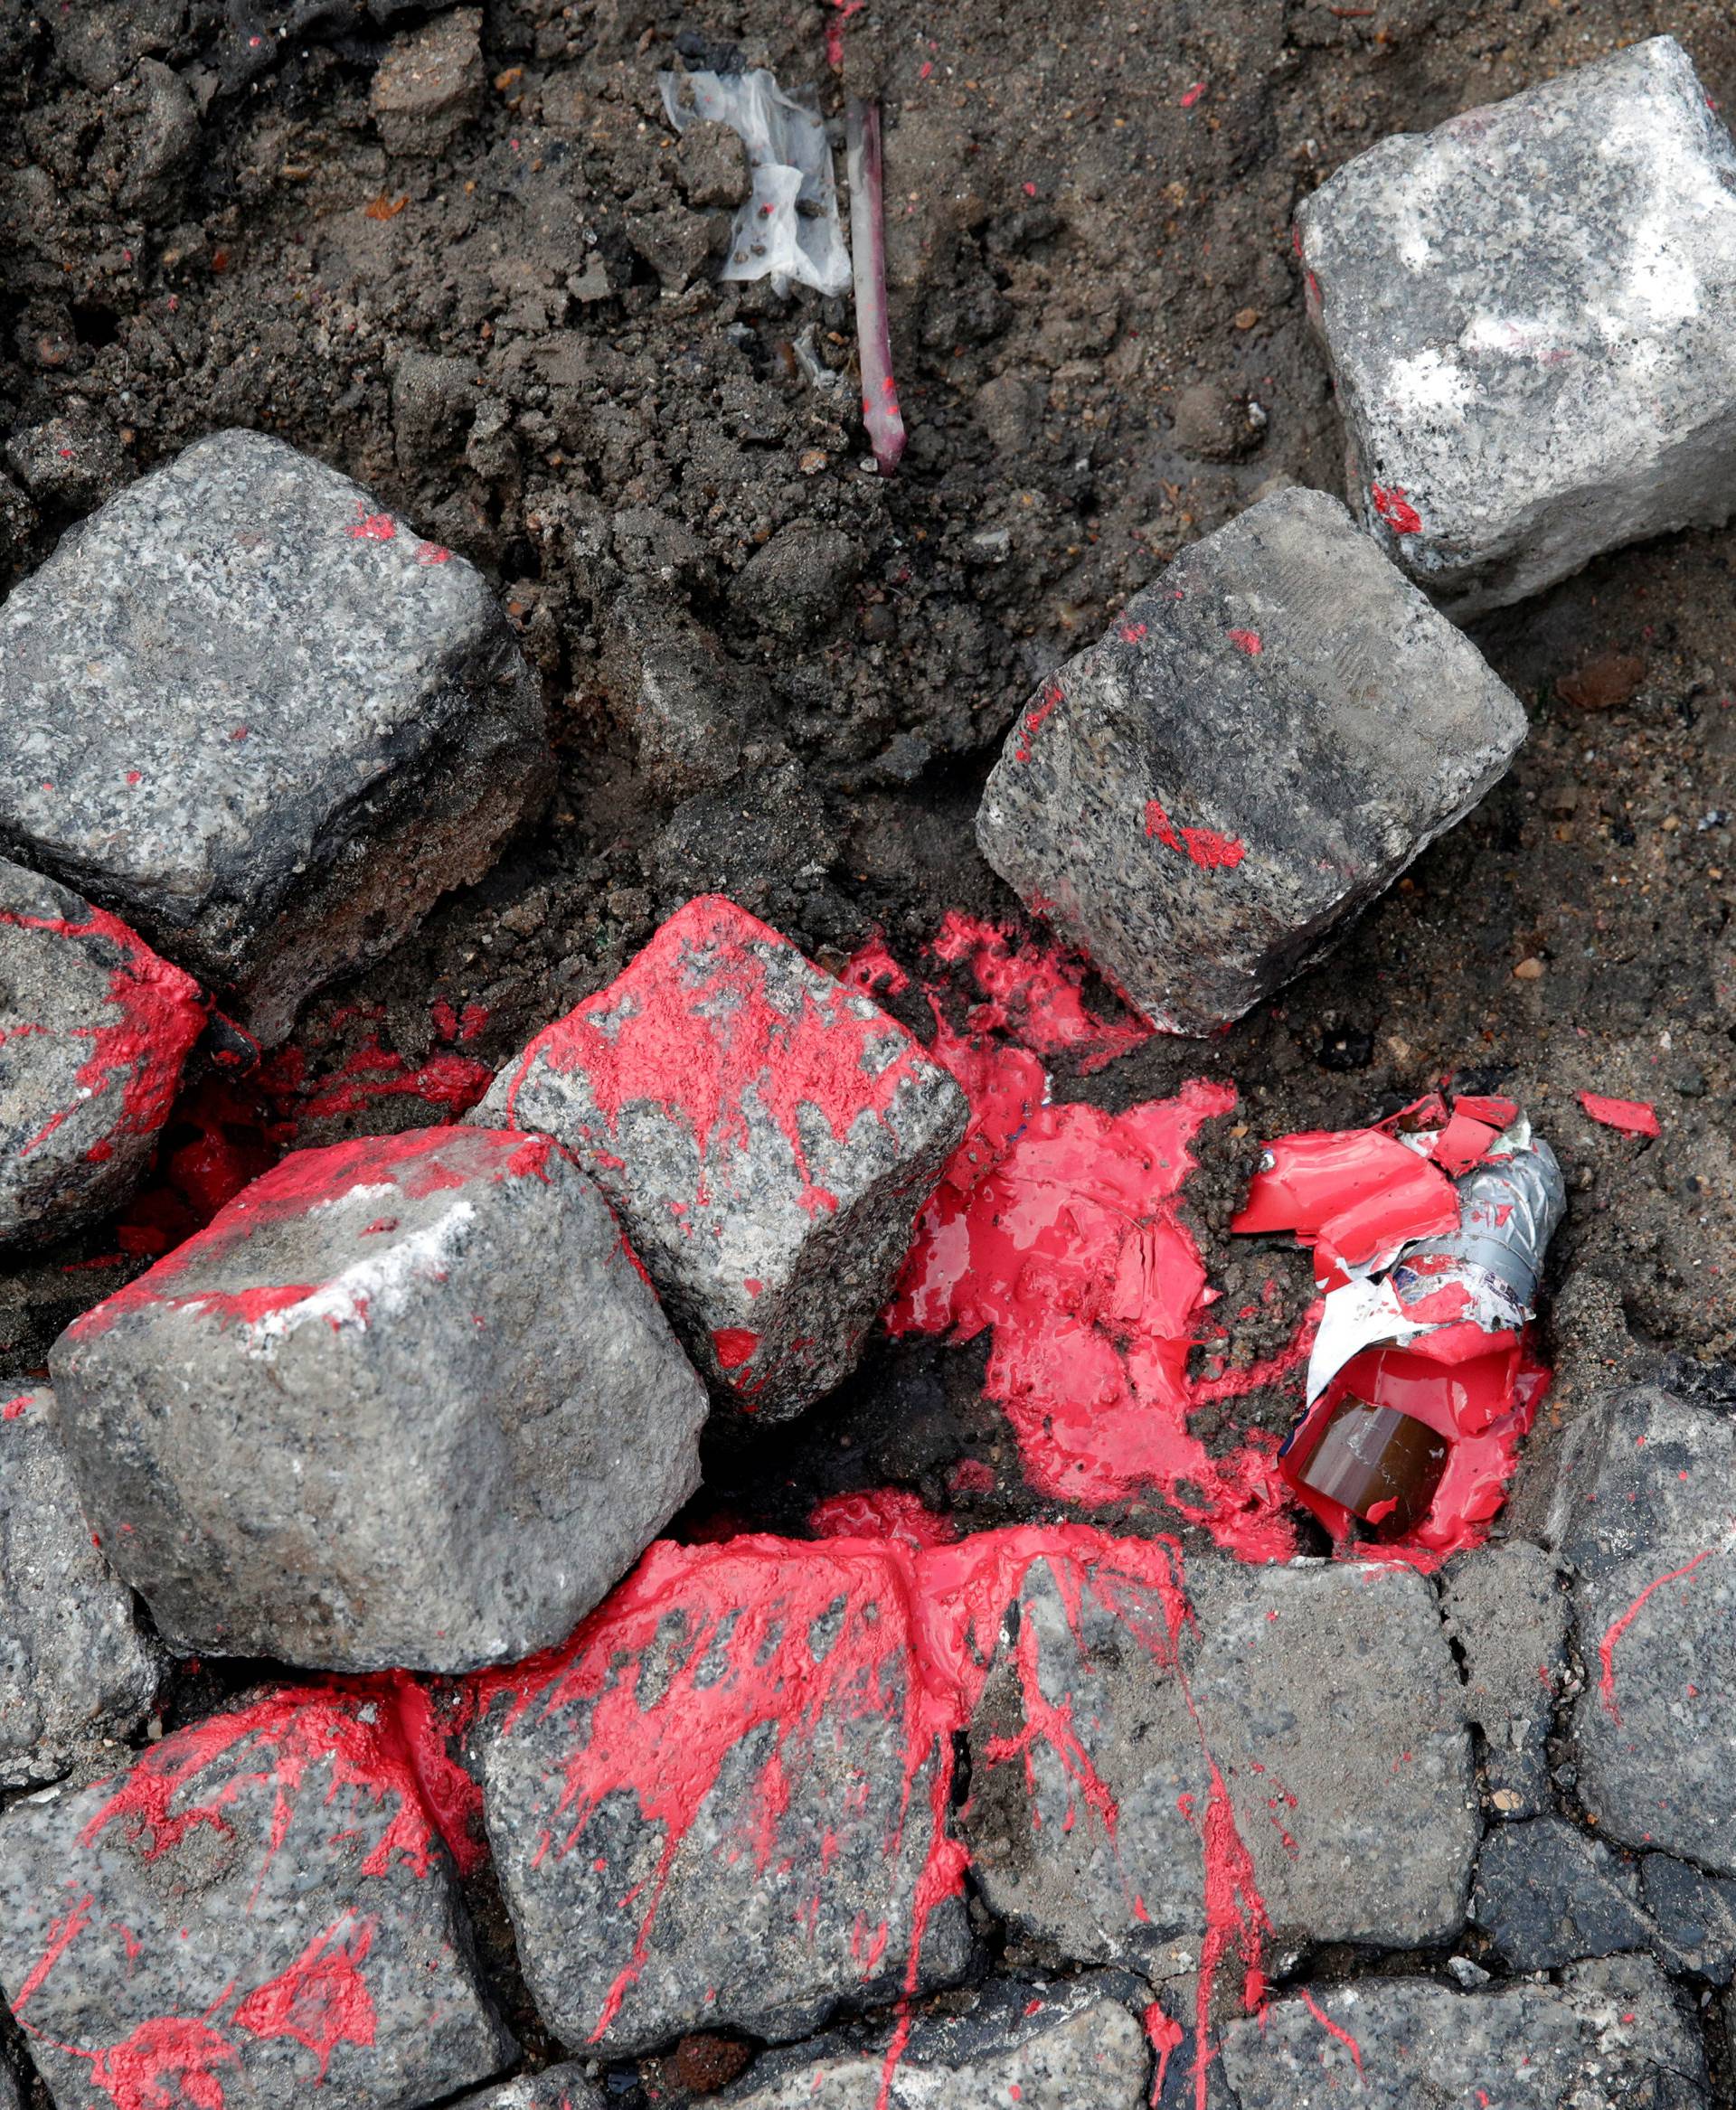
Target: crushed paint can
(1419, 1378)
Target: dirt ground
(519, 343)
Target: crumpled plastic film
(789, 230)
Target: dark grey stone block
(766, 1134)
(257, 1913)
(1327, 1698)
(1253, 752)
(74, 1671)
(407, 1401)
(716, 1813)
(1546, 1895)
(1529, 312)
(1694, 1915)
(1611, 2034)
(94, 1029)
(1041, 2043)
(1643, 1523)
(1509, 1621)
(261, 719)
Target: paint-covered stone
(556, 2087)
(407, 1401)
(1304, 1727)
(94, 1029)
(257, 1914)
(1038, 2043)
(74, 1671)
(1643, 1515)
(1545, 1894)
(1254, 751)
(1529, 313)
(1610, 2033)
(766, 1135)
(1508, 1620)
(261, 719)
(726, 1808)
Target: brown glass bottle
(1384, 1467)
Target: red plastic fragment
(1630, 1116)
(1353, 1194)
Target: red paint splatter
(913, 1633)
(371, 527)
(170, 2061)
(352, 1727)
(455, 1025)
(1036, 718)
(970, 1476)
(1193, 95)
(733, 1346)
(159, 1013)
(1330, 2027)
(1631, 1116)
(14, 1408)
(1617, 1627)
(418, 1162)
(1395, 509)
(1209, 850)
(1033, 994)
(1247, 640)
(1167, 2036)
(842, 11)
(1060, 1234)
(454, 1083)
(322, 1999)
(881, 1512)
(432, 553)
(716, 1013)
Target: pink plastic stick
(880, 410)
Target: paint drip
(157, 1014)
(913, 1633)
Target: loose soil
(521, 345)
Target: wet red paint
(914, 1636)
(418, 1161)
(1631, 1116)
(1209, 850)
(1351, 1194)
(733, 1346)
(1059, 1233)
(371, 527)
(1395, 509)
(881, 1512)
(1165, 2037)
(1617, 1627)
(455, 1083)
(322, 2000)
(697, 1026)
(158, 1014)
(1031, 993)
(1190, 96)
(14, 1408)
